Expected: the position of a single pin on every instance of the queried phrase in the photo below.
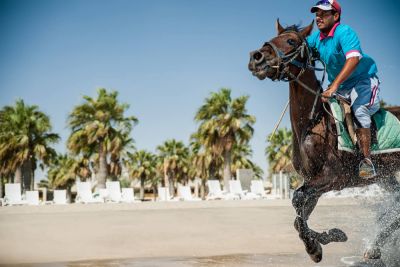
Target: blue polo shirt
(340, 43)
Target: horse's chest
(311, 156)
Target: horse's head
(284, 56)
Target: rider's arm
(349, 66)
(350, 45)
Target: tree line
(100, 143)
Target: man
(351, 73)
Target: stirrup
(366, 169)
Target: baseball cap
(327, 5)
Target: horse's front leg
(304, 201)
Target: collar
(331, 32)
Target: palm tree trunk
(18, 175)
(32, 180)
(1, 186)
(166, 178)
(142, 187)
(171, 183)
(69, 195)
(203, 189)
(155, 192)
(212, 170)
(227, 169)
(26, 175)
(102, 174)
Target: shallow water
(276, 260)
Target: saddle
(385, 128)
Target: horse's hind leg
(304, 201)
(389, 219)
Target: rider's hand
(328, 93)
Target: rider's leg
(364, 106)
(366, 167)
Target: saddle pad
(388, 131)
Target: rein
(284, 62)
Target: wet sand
(213, 233)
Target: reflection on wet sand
(240, 260)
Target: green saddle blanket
(387, 136)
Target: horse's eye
(291, 42)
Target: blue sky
(165, 57)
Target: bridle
(283, 62)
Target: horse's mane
(294, 27)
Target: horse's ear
(307, 30)
(279, 27)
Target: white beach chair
(60, 197)
(114, 191)
(103, 194)
(13, 195)
(185, 194)
(257, 188)
(215, 192)
(32, 198)
(163, 194)
(84, 194)
(236, 188)
(127, 195)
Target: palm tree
(61, 174)
(143, 165)
(201, 161)
(95, 124)
(25, 140)
(241, 154)
(120, 147)
(174, 156)
(224, 122)
(279, 150)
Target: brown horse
(315, 146)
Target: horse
(316, 156)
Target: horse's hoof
(337, 235)
(314, 251)
(372, 254)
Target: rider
(351, 73)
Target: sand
(153, 231)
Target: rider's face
(325, 19)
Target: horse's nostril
(258, 57)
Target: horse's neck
(302, 101)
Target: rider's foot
(366, 169)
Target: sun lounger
(185, 194)
(103, 194)
(32, 198)
(127, 195)
(163, 195)
(215, 192)
(60, 197)
(236, 189)
(13, 195)
(114, 191)
(257, 188)
(85, 195)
